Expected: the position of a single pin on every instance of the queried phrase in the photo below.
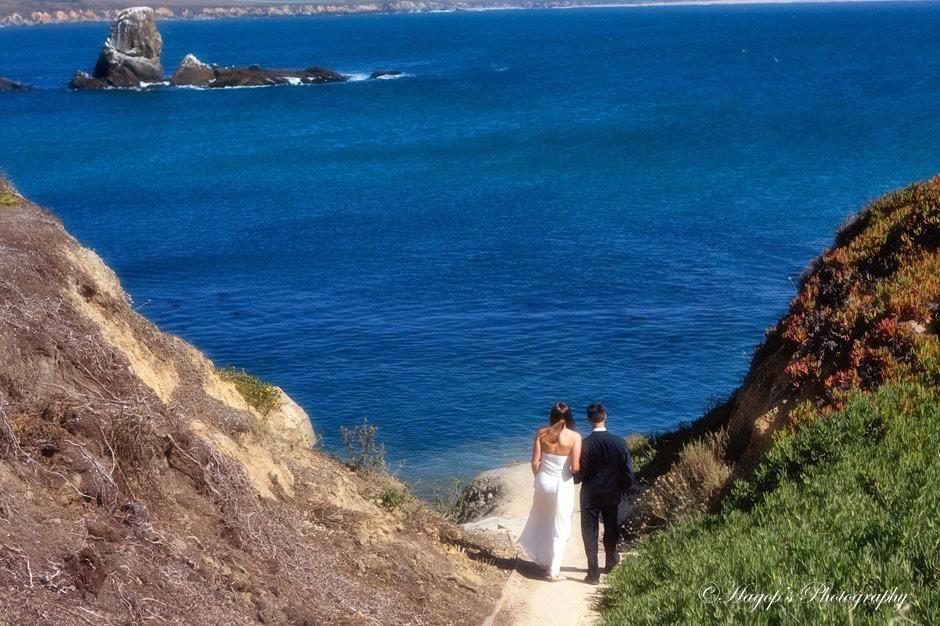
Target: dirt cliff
(139, 485)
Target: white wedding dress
(549, 526)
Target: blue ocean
(577, 205)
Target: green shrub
(393, 498)
(642, 449)
(261, 396)
(850, 502)
(7, 195)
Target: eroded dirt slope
(138, 486)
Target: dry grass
(691, 486)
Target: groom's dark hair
(596, 413)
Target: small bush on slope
(261, 396)
(7, 195)
(851, 502)
(695, 480)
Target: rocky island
(130, 59)
(11, 85)
(194, 73)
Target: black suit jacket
(606, 469)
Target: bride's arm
(536, 455)
(575, 455)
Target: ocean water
(578, 205)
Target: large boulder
(11, 85)
(130, 56)
(194, 73)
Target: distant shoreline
(48, 16)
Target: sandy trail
(529, 599)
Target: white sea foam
(206, 88)
(290, 80)
(355, 77)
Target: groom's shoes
(612, 564)
(592, 580)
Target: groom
(606, 475)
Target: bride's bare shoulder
(572, 435)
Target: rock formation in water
(130, 56)
(384, 74)
(194, 73)
(11, 85)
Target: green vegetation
(642, 450)
(7, 196)
(261, 396)
(847, 500)
(364, 450)
(393, 498)
(850, 501)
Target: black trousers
(590, 516)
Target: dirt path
(529, 599)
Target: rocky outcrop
(194, 73)
(500, 494)
(384, 74)
(130, 56)
(11, 85)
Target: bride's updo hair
(561, 412)
(559, 418)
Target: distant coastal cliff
(33, 13)
(17, 13)
(43, 15)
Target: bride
(556, 456)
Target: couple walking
(602, 464)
